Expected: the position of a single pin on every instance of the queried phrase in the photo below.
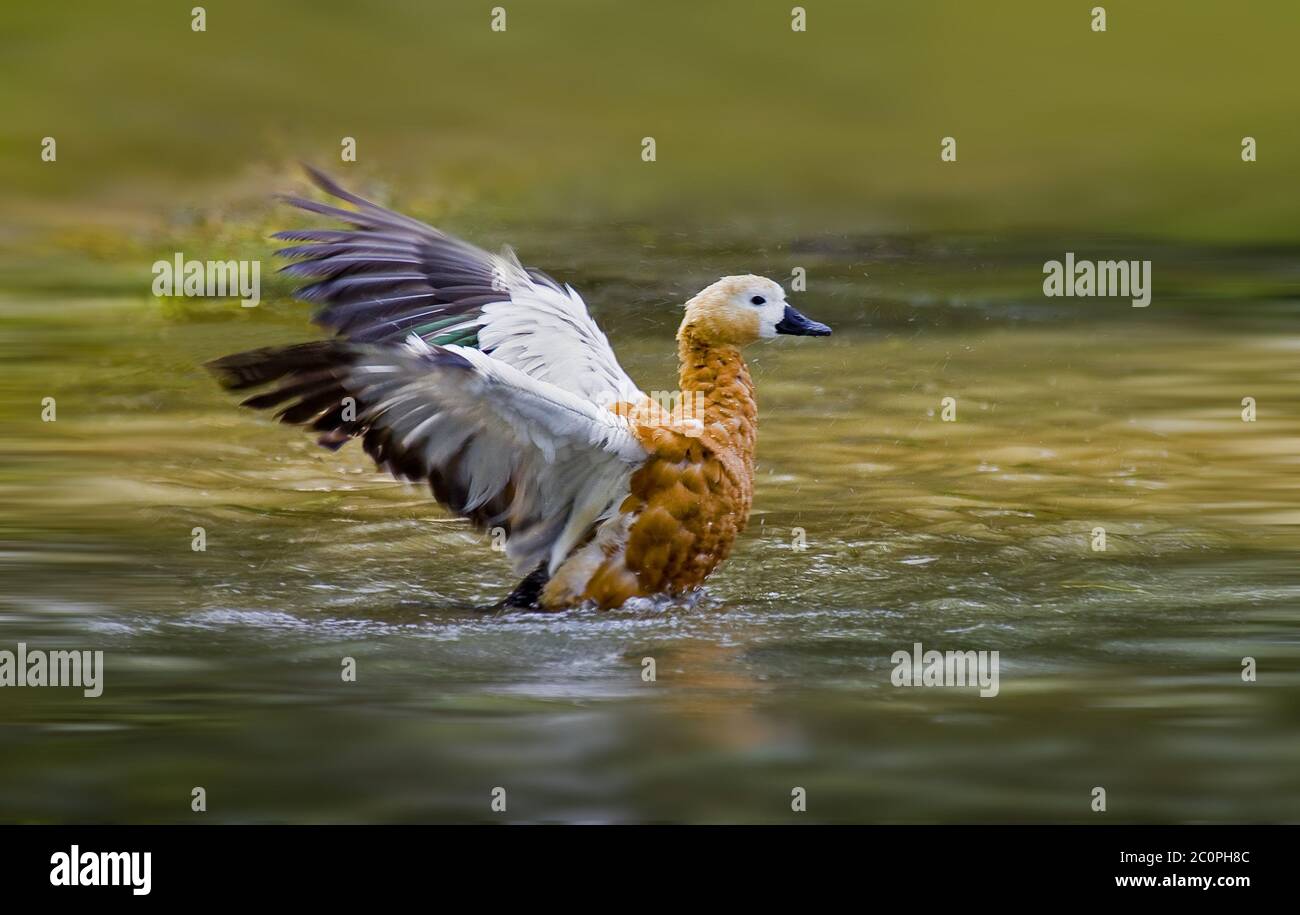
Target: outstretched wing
(391, 276)
(497, 446)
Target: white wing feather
(490, 429)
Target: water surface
(1118, 669)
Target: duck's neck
(717, 375)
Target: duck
(490, 382)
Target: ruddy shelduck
(491, 382)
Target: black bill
(796, 325)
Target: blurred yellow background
(1134, 131)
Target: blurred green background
(1134, 131)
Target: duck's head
(738, 310)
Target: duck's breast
(685, 508)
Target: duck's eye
(758, 300)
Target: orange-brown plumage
(691, 499)
(490, 382)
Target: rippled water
(1118, 669)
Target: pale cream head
(738, 310)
